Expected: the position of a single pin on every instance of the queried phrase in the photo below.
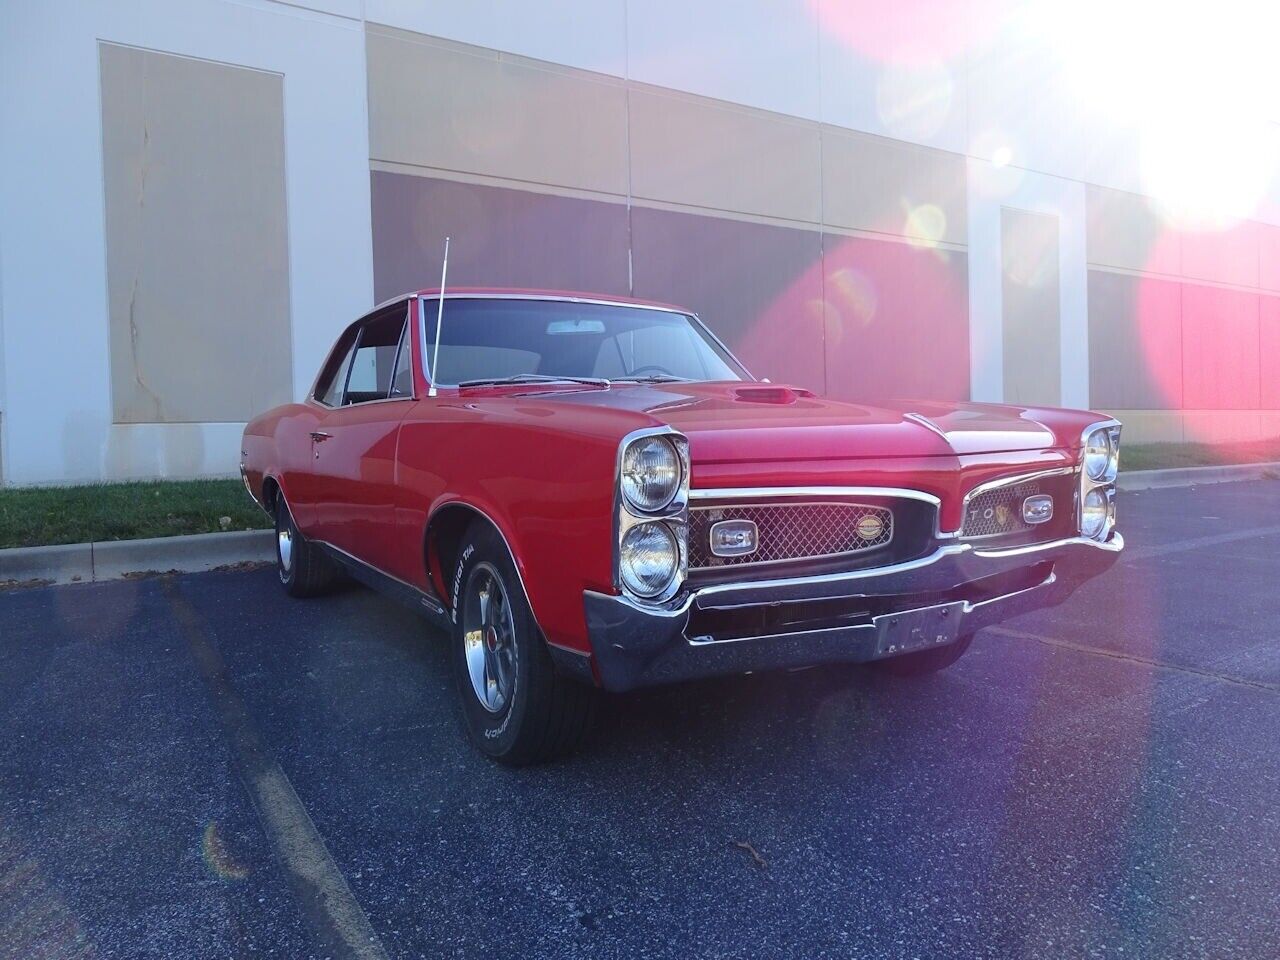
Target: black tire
(304, 571)
(926, 661)
(534, 713)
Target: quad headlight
(649, 558)
(1100, 464)
(1102, 454)
(1093, 513)
(652, 514)
(651, 473)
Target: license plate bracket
(911, 630)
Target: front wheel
(516, 708)
(925, 661)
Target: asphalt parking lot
(198, 766)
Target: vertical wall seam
(626, 101)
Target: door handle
(319, 436)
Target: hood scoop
(768, 393)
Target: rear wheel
(304, 571)
(926, 661)
(516, 708)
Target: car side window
(373, 366)
(332, 380)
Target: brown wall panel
(1269, 351)
(759, 287)
(500, 237)
(897, 320)
(1220, 349)
(1135, 342)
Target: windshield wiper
(651, 378)
(534, 378)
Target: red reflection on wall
(895, 319)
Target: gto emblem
(870, 527)
(734, 538)
(1037, 509)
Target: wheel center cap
(491, 638)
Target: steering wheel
(651, 366)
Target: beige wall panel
(1221, 426)
(1031, 308)
(449, 106)
(1200, 426)
(873, 183)
(197, 245)
(703, 153)
(1146, 426)
(1124, 231)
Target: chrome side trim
(757, 493)
(855, 577)
(428, 600)
(1013, 481)
(510, 553)
(1114, 545)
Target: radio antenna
(435, 355)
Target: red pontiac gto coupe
(594, 493)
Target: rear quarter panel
(277, 444)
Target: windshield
(496, 339)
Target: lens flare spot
(926, 225)
(216, 856)
(853, 294)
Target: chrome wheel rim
(284, 544)
(489, 638)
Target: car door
(354, 445)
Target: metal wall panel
(757, 286)
(500, 237)
(1135, 342)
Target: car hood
(756, 422)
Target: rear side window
(374, 365)
(334, 376)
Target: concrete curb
(112, 560)
(1193, 476)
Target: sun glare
(1197, 84)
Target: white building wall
(57, 403)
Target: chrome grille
(790, 531)
(998, 512)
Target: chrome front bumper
(637, 645)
